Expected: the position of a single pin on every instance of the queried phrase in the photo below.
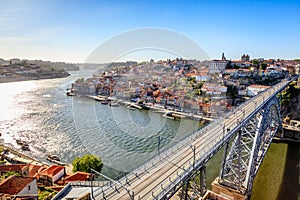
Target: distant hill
(41, 63)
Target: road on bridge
(152, 180)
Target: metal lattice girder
(237, 161)
(241, 162)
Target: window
(28, 187)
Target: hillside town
(208, 87)
(23, 70)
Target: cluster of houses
(174, 82)
(22, 180)
(16, 68)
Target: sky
(69, 31)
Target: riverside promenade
(156, 108)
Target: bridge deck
(156, 178)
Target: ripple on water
(51, 122)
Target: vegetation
(290, 93)
(80, 80)
(297, 60)
(255, 62)
(86, 163)
(11, 173)
(264, 66)
(269, 81)
(228, 65)
(8, 174)
(122, 64)
(45, 193)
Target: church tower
(223, 56)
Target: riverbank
(174, 113)
(30, 78)
(12, 155)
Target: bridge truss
(252, 139)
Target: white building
(50, 175)
(19, 187)
(213, 89)
(203, 76)
(217, 66)
(253, 90)
(273, 71)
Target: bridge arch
(251, 141)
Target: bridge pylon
(244, 153)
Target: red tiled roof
(35, 169)
(15, 167)
(14, 184)
(78, 176)
(190, 74)
(52, 170)
(259, 86)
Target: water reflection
(40, 113)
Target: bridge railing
(156, 160)
(163, 189)
(201, 153)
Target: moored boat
(113, 104)
(70, 94)
(52, 157)
(145, 107)
(25, 147)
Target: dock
(135, 106)
(156, 109)
(13, 155)
(97, 98)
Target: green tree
(86, 163)
(297, 60)
(255, 62)
(264, 66)
(228, 65)
(8, 174)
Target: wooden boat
(52, 157)
(70, 94)
(23, 144)
(25, 147)
(113, 104)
